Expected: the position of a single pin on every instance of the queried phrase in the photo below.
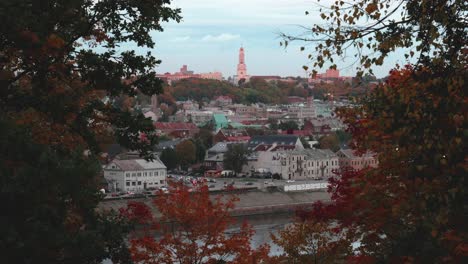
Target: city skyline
(208, 38)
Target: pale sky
(211, 31)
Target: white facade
(298, 164)
(135, 175)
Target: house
(317, 127)
(348, 158)
(299, 164)
(135, 174)
(177, 130)
(214, 158)
(220, 121)
(223, 101)
(231, 135)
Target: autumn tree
(186, 153)
(235, 157)
(62, 66)
(329, 142)
(192, 228)
(412, 208)
(311, 242)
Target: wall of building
(118, 179)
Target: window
(133, 183)
(133, 174)
(127, 174)
(127, 183)
(327, 162)
(161, 181)
(150, 173)
(155, 173)
(139, 182)
(139, 174)
(145, 174)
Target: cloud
(180, 39)
(221, 37)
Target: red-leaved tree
(191, 227)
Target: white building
(135, 174)
(299, 164)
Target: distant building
(223, 101)
(198, 117)
(348, 158)
(231, 135)
(187, 105)
(330, 75)
(135, 175)
(212, 75)
(241, 68)
(184, 73)
(178, 130)
(214, 158)
(220, 121)
(295, 164)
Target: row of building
(286, 156)
(283, 155)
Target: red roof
(295, 99)
(175, 126)
(254, 122)
(239, 138)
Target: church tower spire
(241, 67)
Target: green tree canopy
(186, 153)
(61, 73)
(68, 84)
(169, 158)
(235, 157)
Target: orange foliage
(191, 228)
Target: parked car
(211, 186)
(290, 181)
(249, 183)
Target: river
(264, 225)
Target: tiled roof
(136, 164)
(312, 154)
(175, 126)
(220, 118)
(349, 153)
(273, 139)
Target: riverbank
(253, 202)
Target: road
(219, 184)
